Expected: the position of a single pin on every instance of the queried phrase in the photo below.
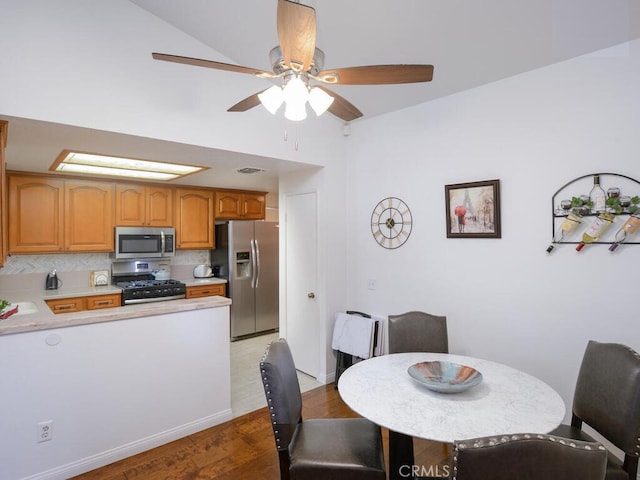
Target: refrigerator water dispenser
(243, 264)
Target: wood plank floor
(244, 448)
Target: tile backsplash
(23, 264)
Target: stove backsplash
(82, 262)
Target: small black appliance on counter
(52, 282)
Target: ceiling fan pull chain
(296, 144)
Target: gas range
(139, 281)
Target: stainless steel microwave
(145, 242)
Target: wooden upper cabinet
(89, 216)
(36, 214)
(195, 228)
(140, 205)
(4, 226)
(232, 205)
(50, 213)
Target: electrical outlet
(372, 284)
(45, 431)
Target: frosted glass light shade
(272, 98)
(295, 91)
(319, 100)
(295, 111)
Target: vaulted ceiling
(469, 42)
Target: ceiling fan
(297, 61)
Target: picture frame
(473, 209)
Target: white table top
(506, 401)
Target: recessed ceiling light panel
(106, 165)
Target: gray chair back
(528, 457)
(607, 394)
(418, 332)
(282, 391)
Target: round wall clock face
(391, 222)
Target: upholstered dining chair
(418, 332)
(414, 331)
(328, 448)
(607, 398)
(528, 457)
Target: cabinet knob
(311, 295)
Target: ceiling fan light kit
(297, 60)
(295, 94)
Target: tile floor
(247, 393)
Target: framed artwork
(473, 209)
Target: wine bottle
(569, 224)
(631, 225)
(596, 229)
(597, 196)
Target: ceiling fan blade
(377, 75)
(211, 64)
(296, 34)
(341, 107)
(246, 104)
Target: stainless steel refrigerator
(246, 254)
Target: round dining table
(506, 401)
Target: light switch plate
(99, 278)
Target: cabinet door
(139, 205)
(104, 301)
(228, 205)
(35, 214)
(206, 291)
(130, 205)
(194, 219)
(240, 205)
(4, 234)
(253, 206)
(159, 211)
(67, 305)
(89, 216)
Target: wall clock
(391, 222)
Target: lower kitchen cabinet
(78, 304)
(206, 290)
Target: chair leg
(283, 457)
(631, 466)
(400, 456)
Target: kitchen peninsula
(109, 383)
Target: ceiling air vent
(249, 170)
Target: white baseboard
(105, 458)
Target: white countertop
(44, 318)
(506, 401)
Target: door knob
(311, 295)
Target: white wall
(505, 299)
(112, 389)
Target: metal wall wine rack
(582, 186)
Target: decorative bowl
(445, 377)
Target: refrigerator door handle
(256, 264)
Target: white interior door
(302, 319)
